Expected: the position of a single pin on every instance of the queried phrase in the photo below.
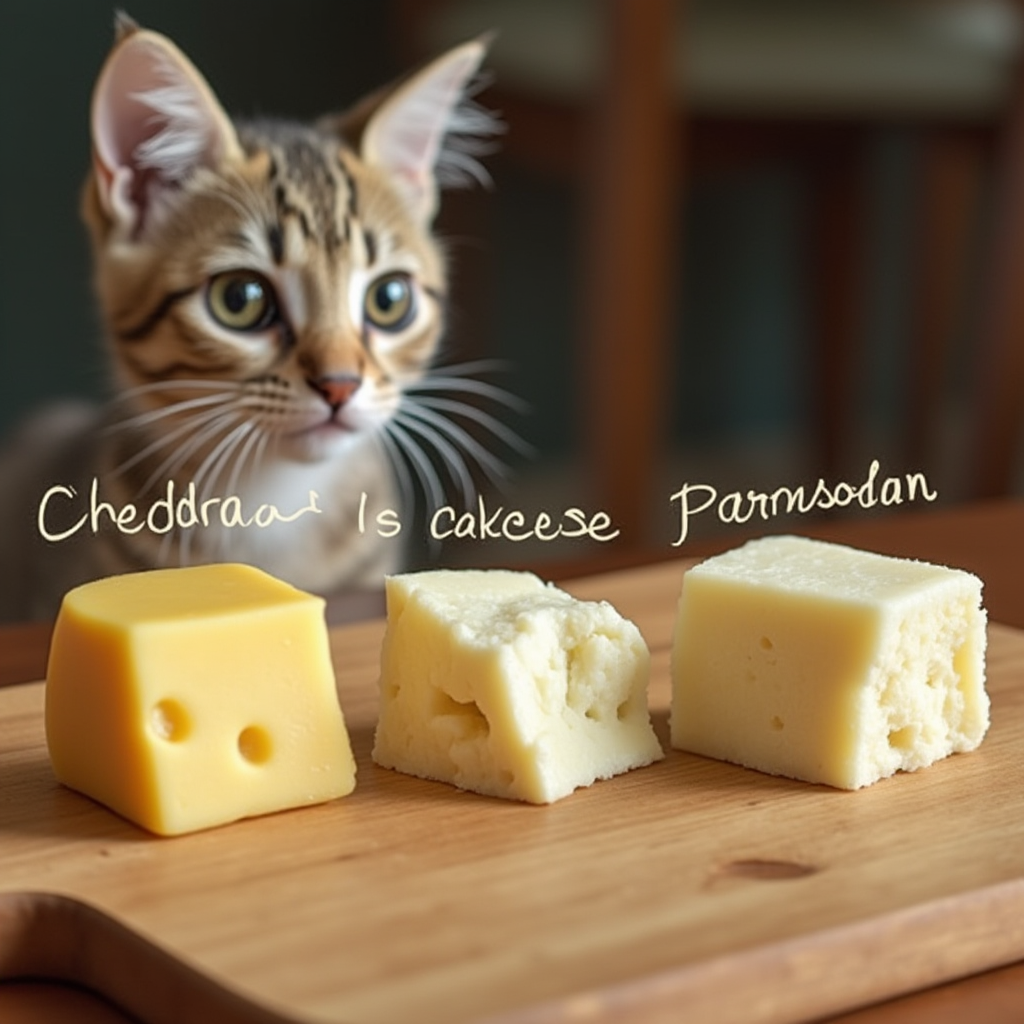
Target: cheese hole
(472, 720)
(778, 723)
(170, 721)
(903, 739)
(254, 744)
(766, 644)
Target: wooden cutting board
(688, 890)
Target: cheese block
(495, 682)
(188, 698)
(827, 664)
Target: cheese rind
(495, 682)
(828, 664)
(189, 698)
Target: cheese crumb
(827, 664)
(495, 682)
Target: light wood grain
(687, 884)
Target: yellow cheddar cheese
(827, 664)
(188, 698)
(498, 683)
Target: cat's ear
(426, 131)
(155, 121)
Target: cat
(273, 296)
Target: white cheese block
(498, 683)
(828, 664)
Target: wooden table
(985, 539)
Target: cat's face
(266, 276)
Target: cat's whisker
(254, 451)
(469, 386)
(495, 469)
(393, 450)
(252, 442)
(214, 461)
(453, 460)
(392, 454)
(410, 448)
(439, 367)
(226, 394)
(450, 455)
(230, 445)
(261, 449)
(485, 419)
(168, 469)
(209, 471)
(151, 416)
(163, 440)
(468, 367)
(170, 465)
(176, 384)
(471, 367)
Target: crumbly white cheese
(498, 683)
(828, 664)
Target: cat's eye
(241, 300)
(390, 302)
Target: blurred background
(741, 243)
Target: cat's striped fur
(271, 292)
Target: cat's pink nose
(336, 388)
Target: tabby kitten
(271, 292)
